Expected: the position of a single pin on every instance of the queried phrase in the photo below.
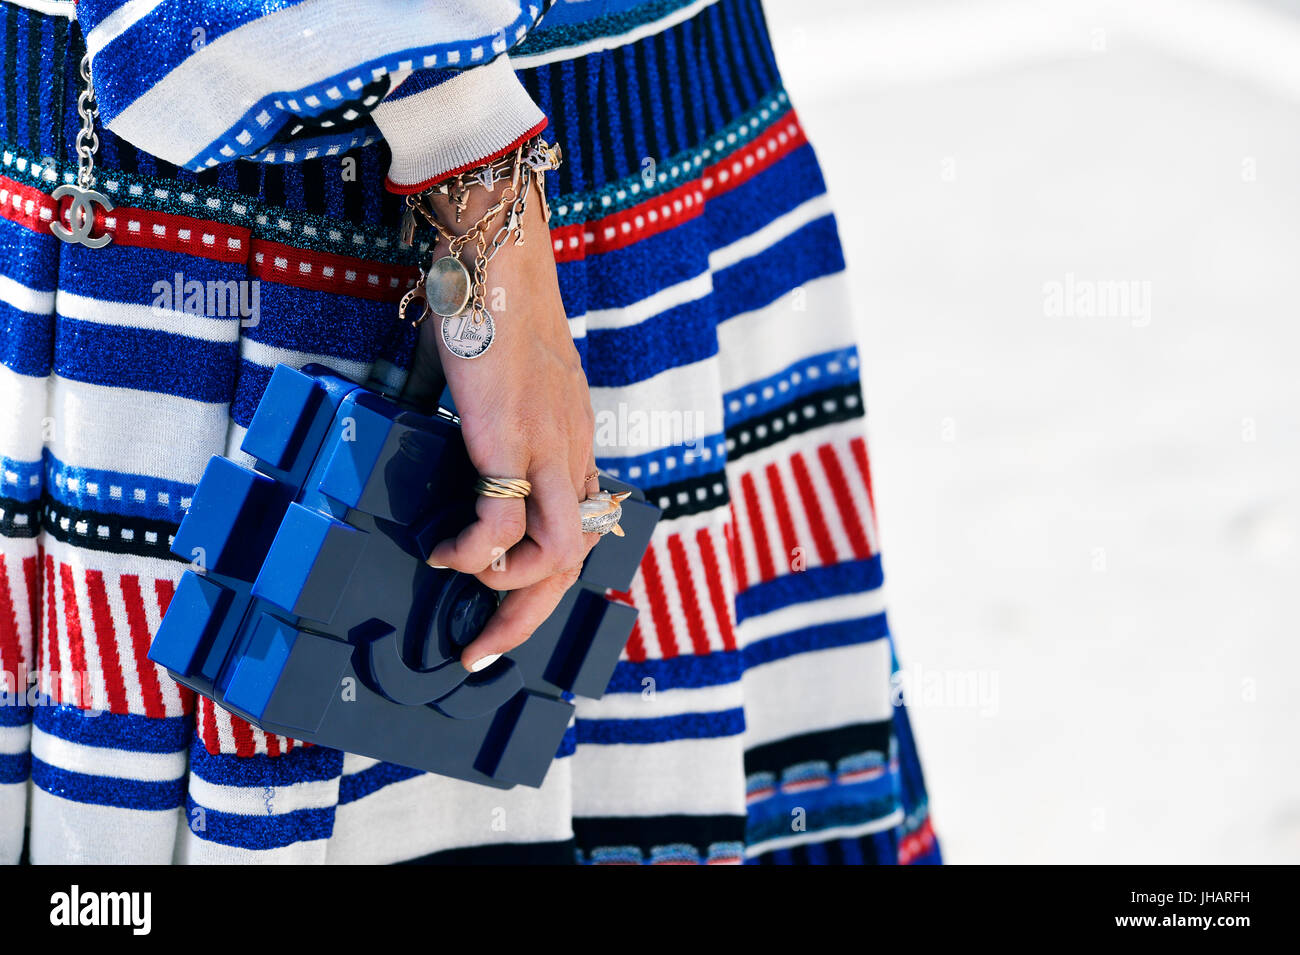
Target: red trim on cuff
(403, 190)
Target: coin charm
(466, 338)
(447, 286)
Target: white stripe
(824, 491)
(263, 800)
(125, 654)
(647, 705)
(687, 777)
(742, 529)
(15, 739)
(895, 818)
(759, 344)
(24, 299)
(672, 596)
(192, 849)
(67, 832)
(438, 813)
(248, 64)
(689, 392)
(613, 42)
(23, 399)
(762, 239)
(117, 23)
(55, 8)
(812, 613)
(133, 432)
(259, 353)
(851, 686)
(106, 761)
(147, 317)
(671, 297)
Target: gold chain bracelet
(448, 288)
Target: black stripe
(11, 70)
(31, 512)
(52, 518)
(807, 413)
(166, 170)
(248, 178)
(653, 134)
(210, 177)
(830, 745)
(273, 185)
(690, 95)
(671, 118)
(128, 157)
(58, 85)
(354, 209)
(313, 187)
(34, 76)
(739, 52)
(646, 832)
(628, 120)
(691, 496)
(586, 115)
(531, 853)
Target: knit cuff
(476, 116)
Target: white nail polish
(439, 566)
(482, 663)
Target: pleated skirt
(754, 715)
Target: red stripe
(735, 553)
(76, 644)
(306, 268)
(635, 648)
(783, 137)
(813, 509)
(14, 207)
(782, 506)
(272, 745)
(106, 639)
(648, 218)
(859, 446)
(844, 500)
(139, 228)
(31, 571)
(11, 646)
(242, 730)
(208, 722)
(658, 604)
(690, 600)
(757, 529)
(717, 596)
(150, 688)
(164, 590)
(52, 634)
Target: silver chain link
(87, 138)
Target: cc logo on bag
(81, 216)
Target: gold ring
(591, 477)
(502, 487)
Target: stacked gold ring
(502, 487)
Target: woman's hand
(525, 412)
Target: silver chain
(87, 138)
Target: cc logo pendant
(81, 216)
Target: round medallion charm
(447, 286)
(464, 337)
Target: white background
(1092, 520)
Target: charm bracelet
(448, 288)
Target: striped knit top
(281, 81)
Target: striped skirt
(754, 715)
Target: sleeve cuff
(472, 118)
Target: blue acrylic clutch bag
(308, 608)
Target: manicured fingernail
(438, 566)
(482, 663)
